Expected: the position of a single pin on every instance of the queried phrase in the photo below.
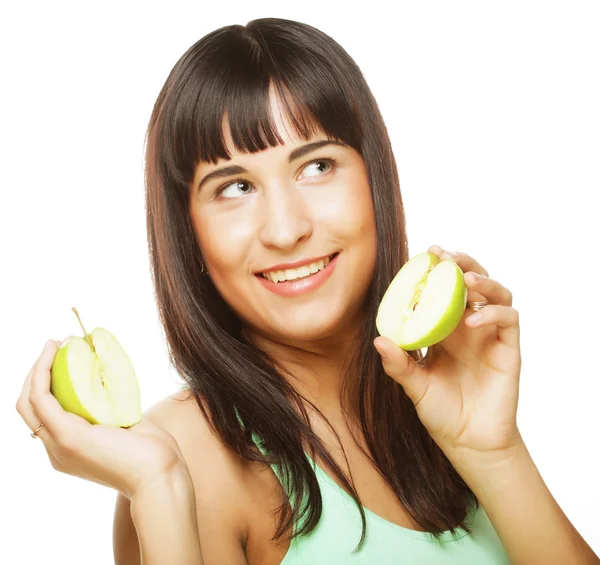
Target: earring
(203, 270)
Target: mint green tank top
(339, 529)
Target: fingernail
(381, 352)
(47, 344)
(65, 341)
(474, 319)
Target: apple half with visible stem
(92, 376)
(424, 303)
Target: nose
(285, 218)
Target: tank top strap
(255, 437)
(257, 440)
(265, 451)
(334, 539)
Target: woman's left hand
(466, 390)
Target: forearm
(528, 520)
(164, 515)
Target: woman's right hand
(123, 459)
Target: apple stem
(86, 335)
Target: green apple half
(424, 303)
(93, 377)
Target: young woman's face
(288, 211)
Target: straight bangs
(218, 97)
(235, 84)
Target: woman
(275, 224)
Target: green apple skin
(390, 318)
(75, 356)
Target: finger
(28, 414)
(30, 418)
(45, 405)
(24, 396)
(403, 369)
(490, 289)
(505, 317)
(466, 263)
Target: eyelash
(329, 160)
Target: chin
(310, 325)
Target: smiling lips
(298, 280)
(280, 275)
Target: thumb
(399, 365)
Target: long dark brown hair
(231, 70)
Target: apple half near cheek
(424, 303)
(99, 386)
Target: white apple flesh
(424, 303)
(97, 384)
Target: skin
(466, 396)
(282, 212)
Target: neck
(314, 369)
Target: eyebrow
(293, 156)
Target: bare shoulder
(237, 501)
(218, 473)
(222, 501)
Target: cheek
(223, 243)
(360, 232)
(353, 213)
(366, 215)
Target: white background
(493, 113)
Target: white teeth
(292, 274)
(304, 271)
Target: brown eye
(327, 164)
(240, 185)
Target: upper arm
(126, 549)
(214, 471)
